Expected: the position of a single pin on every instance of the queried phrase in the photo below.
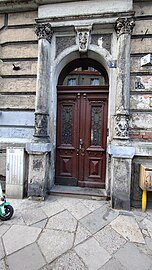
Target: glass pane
(66, 124)
(84, 76)
(96, 122)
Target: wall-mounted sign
(146, 60)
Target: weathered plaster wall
(141, 94)
(18, 47)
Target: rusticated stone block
(17, 102)
(19, 51)
(140, 102)
(25, 68)
(143, 9)
(142, 27)
(22, 18)
(141, 46)
(1, 20)
(18, 85)
(14, 35)
(135, 66)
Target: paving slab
(92, 254)
(28, 258)
(149, 242)
(131, 258)
(33, 216)
(128, 228)
(3, 229)
(113, 264)
(81, 234)
(93, 204)
(18, 237)
(79, 210)
(148, 225)
(54, 243)
(63, 221)
(2, 265)
(67, 202)
(69, 261)
(52, 208)
(41, 224)
(99, 218)
(109, 239)
(2, 253)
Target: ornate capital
(44, 31)
(41, 124)
(124, 26)
(83, 35)
(122, 125)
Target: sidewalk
(76, 234)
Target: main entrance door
(81, 136)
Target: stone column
(44, 33)
(124, 27)
(40, 149)
(121, 155)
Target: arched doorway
(82, 110)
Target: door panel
(81, 139)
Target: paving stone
(113, 264)
(3, 229)
(92, 254)
(67, 202)
(92, 204)
(18, 237)
(144, 249)
(149, 242)
(63, 221)
(28, 258)
(40, 224)
(16, 219)
(148, 225)
(52, 208)
(2, 253)
(2, 265)
(128, 228)
(54, 243)
(81, 234)
(79, 210)
(131, 258)
(69, 261)
(33, 215)
(98, 219)
(109, 239)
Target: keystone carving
(124, 26)
(41, 122)
(83, 36)
(44, 31)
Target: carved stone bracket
(41, 124)
(122, 124)
(124, 26)
(44, 31)
(83, 37)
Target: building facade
(76, 96)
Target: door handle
(80, 143)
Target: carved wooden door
(81, 137)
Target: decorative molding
(44, 31)
(124, 26)
(83, 37)
(41, 123)
(122, 124)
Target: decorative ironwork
(67, 124)
(44, 31)
(83, 34)
(122, 125)
(124, 26)
(96, 123)
(41, 122)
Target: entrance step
(92, 193)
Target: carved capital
(41, 124)
(124, 26)
(122, 125)
(83, 36)
(44, 31)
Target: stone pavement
(76, 234)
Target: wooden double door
(81, 136)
